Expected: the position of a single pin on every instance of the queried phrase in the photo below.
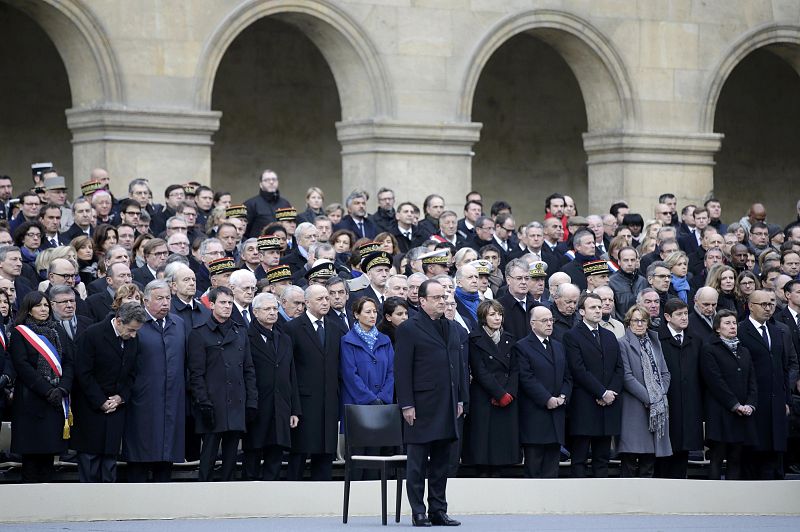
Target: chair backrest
(372, 426)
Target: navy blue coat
(772, 380)
(347, 222)
(515, 320)
(594, 370)
(154, 427)
(102, 369)
(428, 374)
(542, 375)
(366, 375)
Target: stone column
(413, 159)
(164, 146)
(637, 167)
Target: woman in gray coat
(645, 412)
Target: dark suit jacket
(785, 316)
(700, 329)
(688, 243)
(517, 321)
(193, 316)
(317, 368)
(370, 230)
(99, 305)
(417, 238)
(542, 374)
(428, 375)
(102, 369)
(364, 292)
(595, 369)
(142, 275)
(294, 260)
(74, 231)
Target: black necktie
(547, 344)
(53, 242)
(360, 226)
(321, 332)
(765, 336)
(679, 338)
(343, 319)
(596, 335)
(246, 316)
(797, 319)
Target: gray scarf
(655, 388)
(495, 336)
(732, 344)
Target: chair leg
(346, 494)
(399, 494)
(384, 477)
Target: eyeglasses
(159, 253)
(247, 288)
(179, 228)
(64, 302)
(661, 276)
(65, 276)
(747, 283)
(765, 305)
(545, 320)
(34, 235)
(435, 298)
(133, 213)
(181, 244)
(639, 322)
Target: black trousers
(37, 468)
(601, 452)
(210, 449)
(731, 453)
(97, 467)
(633, 465)
(762, 465)
(541, 460)
(675, 466)
(455, 451)
(253, 469)
(321, 466)
(139, 471)
(192, 439)
(431, 461)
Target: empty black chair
(373, 426)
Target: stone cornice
(159, 126)
(651, 148)
(384, 136)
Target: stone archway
(752, 99)
(600, 90)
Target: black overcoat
(595, 369)
(428, 375)
(516, 321)
(221, 374)
(771, 366)
(729, 380)
(102, 369)
(38, 427)
(542, 374)
(99, 305)
(491, 433)
(699, 329)
(278, 397)
(685, 393)
(317, 369)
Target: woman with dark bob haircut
(491, 434)
(42, 359)
(395, 312)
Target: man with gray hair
(63, 303)
(243, 284)
(117, 275)
(356, 219)
(306, 235)
(210, 249)
(113, 255)
(517, 302)
(183, 287)
(292, 304)
(701, 316)
(102, 388)
(565, 300)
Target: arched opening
(279, 103)
(758, 111)
(34, 93)
(533, 117)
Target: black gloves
(54, 396)
(5, 380)
(250, 414)
(207, 415)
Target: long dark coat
(491, 433)
(221, 375)
(516, 321)
(635, 435)
(6, 366)
(542, 375)
(699, 329)
(102, 369)
(729, 380)
(154, 425)
(278, 396)
(99, 305)
(317, 370)
(772, 380)
(193, 316)
(428, 375)
(38, 427)
(594, 370)
(785, 316)
(685, 394)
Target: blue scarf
(681, 285)
(471, 301)
(370, 337)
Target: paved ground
(506, 523)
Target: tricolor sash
(47, 351)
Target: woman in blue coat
(367, 359)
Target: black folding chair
(373, 426)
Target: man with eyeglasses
(155, 255)
(684, 396)
(759, 238)
(650, 299)
(29, 211)
(210, 249)
(118, 274)
(243, 284)
(130, 211)
(504, 228)
(659, 277)
(429, 383)
(545, 385)
(63, 301)
(178, 244)
(62, 272)
(518, 302)
(770, 345)
(484, 233)
(176, 224)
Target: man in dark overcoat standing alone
(429, 387)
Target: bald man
(701, 317)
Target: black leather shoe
(420, 520)
(442, 519)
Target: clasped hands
(111, 404)
(744, 410)
(607, 399)
(555, 402)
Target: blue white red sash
(43, 346)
